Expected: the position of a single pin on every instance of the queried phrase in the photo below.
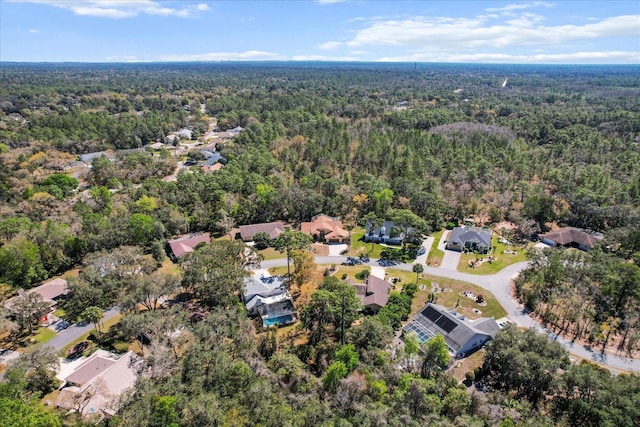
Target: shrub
(363, 275)
(470, 376)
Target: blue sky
(556, 32)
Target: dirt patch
(462, 366)
(320, 250)
(504, 224)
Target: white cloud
(34, 31)
(330, 45)
(324, 58)
(473, 33)
(616, 57)
(518, 6)
(250, 55)
(118, 9)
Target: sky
(529, 32)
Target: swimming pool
(280, 320)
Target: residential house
(373, 293)
(273, 230)
(461, 335)
(236, 130)
(572, 237)
(213, 168)
(226, 135)
(186, 244)
(268, 297)
(470, 238)
(95, 385)
(51, 292)
(386, 233)
(88, 158)
(324, 228)
(212, 157)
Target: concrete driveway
(450, 260)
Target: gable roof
(462, 235)
(455, 329)
(330, 226)
(52, 289)
(568, 235)
(87, 158)
(273, 230)
(48, 291)
(384, 230)
(263, 286)
(186, 244)
(374, 292)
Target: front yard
(360, 247)
(504, 256)
(450, 298)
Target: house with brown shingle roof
(50, 292)
(572, 237)
(273, 230)
(186, 244)
(373, 293)
(324, 228)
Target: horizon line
(322, 61)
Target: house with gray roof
(470, 238)
(386, 233)
(88, 158)
(268, 297)
(462, 336)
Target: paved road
(73, 332)
(499, 285)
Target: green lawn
(40, 336)
(449, 299)
(434, 258)
(501, 262)
(279, 271)
(360, 247)
(271, 253)
(104, 328)
(43, 335)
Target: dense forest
(551, 146)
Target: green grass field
(502, 261)
(434, 258)
(271, 253)
(43, 335)
(360, 247)
(449, 299)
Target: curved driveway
(499, 285)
